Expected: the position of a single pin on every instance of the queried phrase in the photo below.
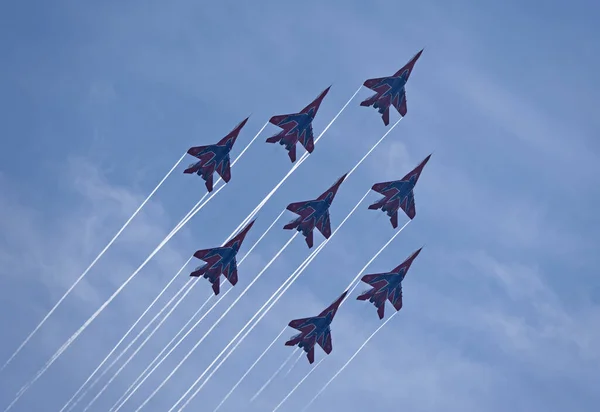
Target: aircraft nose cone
(247, 228)
(338, 302)
(337, 184)
(245, 231)
(243, 123)
(340, 180)
(408, 262)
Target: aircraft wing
(380, 187)
(201, 254)
(299, 324)
(324, 225)
(373, 278)
(230, 272)
(197, 150)
(295, 207)
(279, 119)
(373, 83)
(324, 342)
(224, 169)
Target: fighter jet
(221, 260)
(390, 91)
(315, 330)
(314, 213)
(399, 194)
(214, 157)
(297, 127)
(387, 286)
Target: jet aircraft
(221, 260)
(297, 127)
(399, 194)
(315, 330)
(387, 286)
(214, 158)
(390, 91)
(314, 213)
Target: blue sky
(502, 307)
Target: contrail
(311, 256)
(249, 370)
(348, 362)
(22, 345)
(171, 311)
(65, 346)
(355, 282)
(299, 162)
(144, 342)
(212, 327)
(289, 358)
(117, 345)
(163, 351)
(297, 385)
(130, 388)
(87, 323)
(275, 297)
(293, 365)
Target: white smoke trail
(157, 357)
(348, 362)
(249, 370)
(65, 346)
(268, 382)
(275, 297)
(298, 163)
(146, 340)
(297, 385)
(133, 388)
(293, 364)
(356, 282)
(172, 309)
(128, 346)
(215, 324)
(85, 272)
(312, 255)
